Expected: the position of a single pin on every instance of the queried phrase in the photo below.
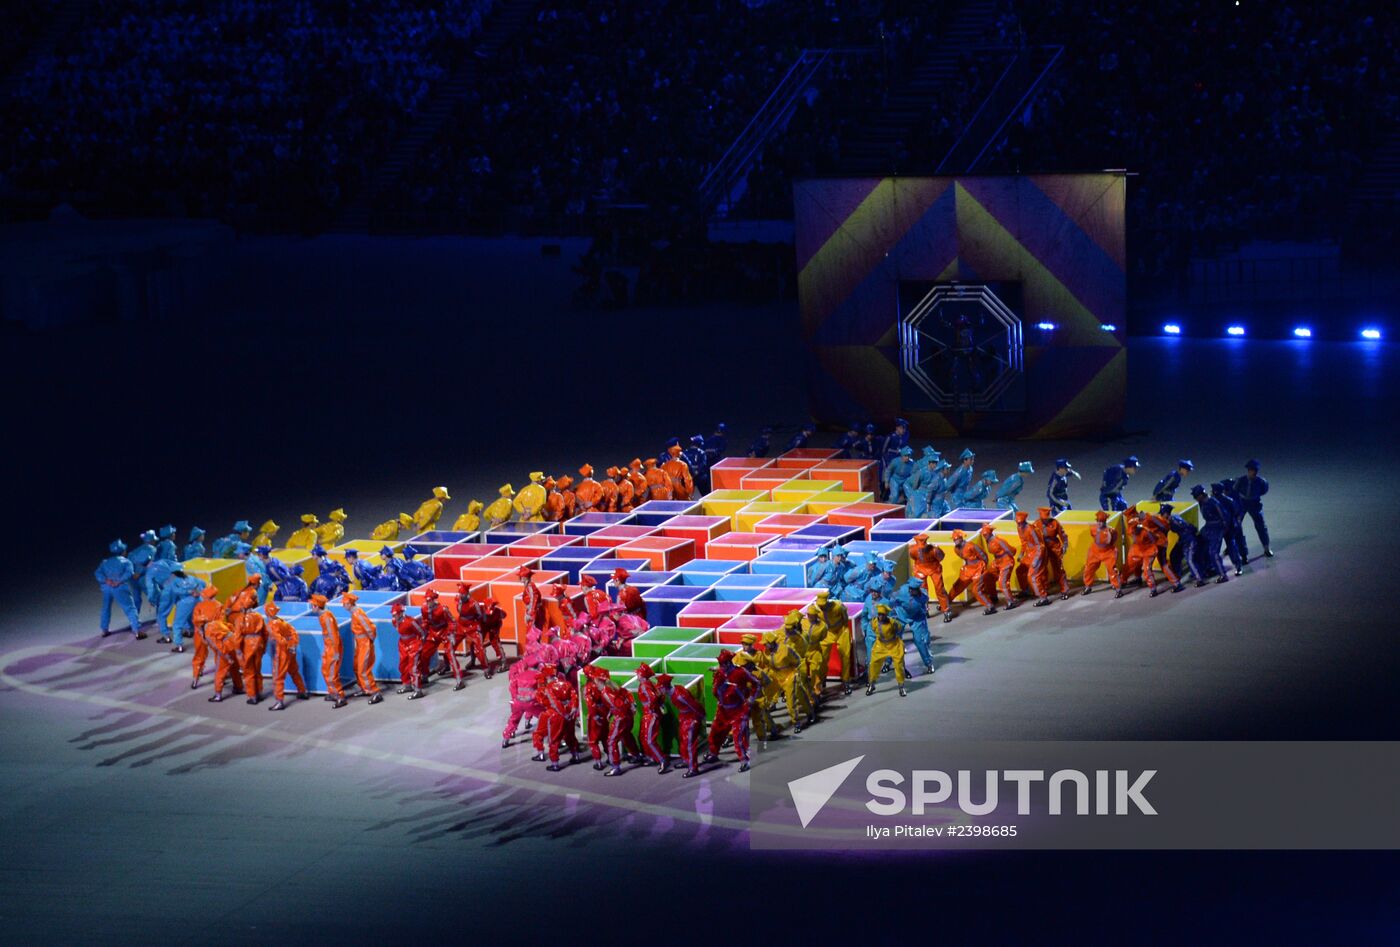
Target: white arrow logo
(811, 793)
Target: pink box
(784, 523)
(739, 547)
(618, 535)
(726, 473)
(700, 530)
(857, 476)
(663, 552)
(781, 601)
(448, 562)
(711, 614)
(864, 515)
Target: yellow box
(730, 502)
(226, 575)
(368, 549)
(800, 489)
(746, 520)
(1188, 509)
(1078, 526)
(1006, 529)
(828, 500)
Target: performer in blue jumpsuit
(141, 558)
(962, 476)
(1251, 489)
(1012, 486)
(975, 496)
(859, 579)
(848, 441)
(224, 547)
(158, 589)
(840, 563)
(1234, 520)
(819, 572)
(412, 570)
(1185, 549)
(874, 597)
(887, 580)
(899, 470)
(337, 577)
(291, 587)
(367, 575)
(925, 466)
(803, 437)
(1212, 532)
(867, 449)
(760, 445)
(194, 549)
(1166, 488)
(891, 444)
(184, 593)
(698, 460)
(1115, 479)
(114, 577)
(718, 444)
(165, 549)
(255, 563)
(327, 584)
(1057, 491)
(911, 607)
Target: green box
(698, 660)
(656, 643)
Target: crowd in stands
(204, 108)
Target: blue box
(664, 602)
(745, 586)
(791, 564)
(656, 512)
(309, 648)
(895, 530)
(704, 572)
(971, 519)
(372, 597)
(289, 610)
(602, 570)
(573, 559)
(592, 522)
(646, 580)
(830, 532)
(447, 536)
(788, 543)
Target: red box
(663, 552)
(711, 614)
(864, 515)
(795, 465)
(781, 601)
(726, 473)
(618, 535)
(739, 547)
(480, 576)
(448, 563)
(542, 545)
(784, 523)
(701, 530)
(765, 479)
(857, 476)
(733, 631)
(807, 453)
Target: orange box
(476, 574)
(864, 515)
(618, 534)
(663, 552)
(765, 479)
(727, 472)
(739, 547)
(507, 591)
(786, 523)
(856, 476)
(795, 465)
(809, 453)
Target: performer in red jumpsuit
(690, 715)
(622, 709)
(469, 615)
(1052, 552)
(531, 598)
(492, 617)
(650, 697)
(627, 596)
(1003, 563)
(598, 709)
(437, 631)
(522, 682)
(410, 643)
(560, 715)
(559, 608)
(594, 599)
(734, 689)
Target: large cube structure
(767, 479)
(574, 559)
(789, 543)
(602, 569)
(743, 586)
(618, 535)
(824, 503)
(729, 502)
(586, 523)
(896, 530)
(747, 519)
(448, 563)
(732, 632)
(971, 519)
(726, 473)
(780, 601)
(786, 523)
(864, 515)
(664, 602)
(857, 476)
(829, 532)
(226, 575)
(542, 544)
(449, 536)
(311, 645)
(791, 564)
(704, 572)
(663, 552)
(802, 490)
(657, 512)
(699, 529)
(659, 641)
(711, 614)
(301, 557)
(739, 546)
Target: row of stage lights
(1369, 333)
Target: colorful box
(659, 641)
(971, 519)
(732, 632)
(860, 476)
(791, 564)
(657, 512)
(448, 536)
(739, 547)
(748, 517)
(665, 602)
(824, 503)
(448, 563)
(311, 645)
(663, 552)
(542, 544)
(766, 480)
(729, 502)
(508, 590)
(1078, 527)
(226, 575)
(704, 572)
(743, 586)
(711, 613)
(728, 472)
(818, 454)
(602, 569)
(896, 530)
(587, 523)
(864, 515)
(780, 601)
(699, 529)
(574, 559)
(791, 543)
(829, 533)
(785, 524)
(618, 535)
(802, 490)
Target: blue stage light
(1372, 334)
(1234, 330)
(1045, 326)
(1171, 328)
(1302, 332)
(1108, 327)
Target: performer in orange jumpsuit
(652, 701)
(1141, 552)
(410, 643)
(926, 564)
(284, 662)
(206, 611)
(638, 479)
(682, 485)
(1026, 573)
(226, 645)
(623, 714)
(364, 631)
(330, 651)
(566, 484)
(252, 645)
(553, 501)
(598, 711)
(970, 576)
(626, 492)
(589, 493)
(658, 481)
(1051, 565)
(1161, 528)
(594, 598)
(609, 487)
(1103, 551)
(244, 599)
(690, 715)
(1003, 565)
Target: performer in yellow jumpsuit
(838, 634)
(469, 521)
(390, 529)
(267, 532)
(498, 513)
(814, 665)
(889, 643)
(789, 664)
(760, 666)
(430, 510)
(331, 532)
(304, 538)
(529, 502)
